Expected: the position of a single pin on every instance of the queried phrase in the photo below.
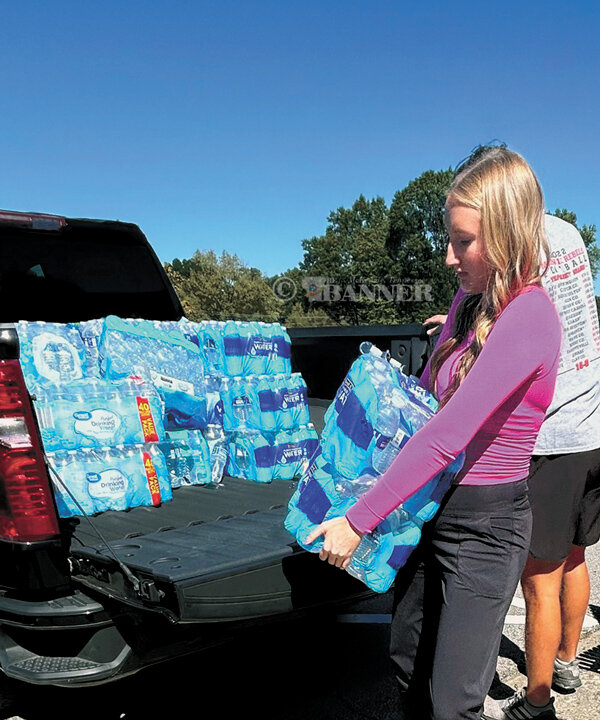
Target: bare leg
(575, 596)
(541, 582)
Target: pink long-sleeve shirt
(494, 415)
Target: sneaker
(518, 707)
(566, 675)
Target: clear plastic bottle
(242, 460)
(217, 445)
(386, 427)
(364, 556)
(397, 521)
(347, 488)
(387, 449)
(241, 402)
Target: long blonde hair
(501, 185)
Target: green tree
(222, 288)
(418, 241)
(350, 253)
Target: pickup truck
(84, 601)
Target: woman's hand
(340, 541)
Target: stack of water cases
(103, 424)
(265, 406)
(376, 410)
(194, 445)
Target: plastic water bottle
(215, 437)
(368, 348)
(212, 341)
(242, 448)
(72, 475)
(309, 442)
(242, 460)
(288, 454)
(267, 404)
(295, 400)
(386, 427)
(214, 402)
(397, 521)
(232, 348)
(386, 449)
(177, 467)
(281, 360)
(241, 402)
(255, 349)
(354, 488)
(201, 453)
(264, 459)
(364, 557)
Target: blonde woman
(493, 370)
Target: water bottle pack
(255, 348)
(110, 478)
(267, 403)
(376, 410)
(51, 352)
(264, 457)
(93, 412)
(165, 357)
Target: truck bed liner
(214, 553)
(190, 506)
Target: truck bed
(211, 554)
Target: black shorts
(564, 493)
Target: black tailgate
(213, 553)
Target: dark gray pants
(451, 598)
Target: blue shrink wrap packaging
(165, 357)
(376, 409)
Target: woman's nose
(450, 256)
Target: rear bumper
(66, 641)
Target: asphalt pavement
(335, 667)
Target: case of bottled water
(293, 451)
(94, 412)
(110, 478)
(254, 348)
(50, 353)
(264, 457)
(267, 403)
(171, 362)
(366, 426)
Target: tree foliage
(373, 265)
(351, 253)
(418, 241)
(222, 288)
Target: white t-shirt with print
(572, 421)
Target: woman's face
(466, 254)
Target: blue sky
(239, 126)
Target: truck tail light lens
(27, 509)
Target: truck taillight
(27, 510)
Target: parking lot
(298, 671)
